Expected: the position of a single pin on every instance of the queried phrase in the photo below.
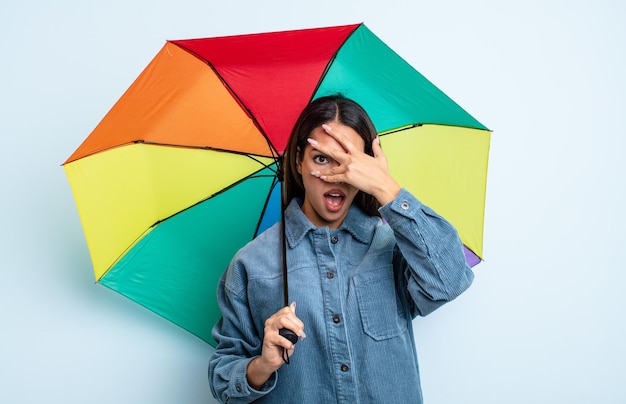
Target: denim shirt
(357, 290)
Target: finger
(286, 318)
(378, 151)
(335, 153)
(294, 324)
(275, 339)
(340, 138)
(333, 175)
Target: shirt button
(336, 319)
(334, 239)
(330, 274)
(238, 387)
(345, 368)
(404, 205)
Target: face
(326, 204)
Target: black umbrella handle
(290, 335)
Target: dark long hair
(334, 108)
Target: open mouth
(334, 200)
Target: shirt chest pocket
(378, 305)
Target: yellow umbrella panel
(445, 167)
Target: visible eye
(320, 159)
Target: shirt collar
(357, 223)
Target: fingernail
(326, 127)
(377, 140)
(312, 142)
(302, 335)
(315, 173)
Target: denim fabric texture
(357, 289)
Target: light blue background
(544, 321)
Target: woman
(365, 257)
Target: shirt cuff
(238, 386)
(404, 204)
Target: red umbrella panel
(181, 172)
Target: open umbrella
(181, 172)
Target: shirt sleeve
(236, 347)
(430, 250)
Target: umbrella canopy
(181, 172)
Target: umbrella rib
(217, 149)
(330, 62)
(141, 141)
(400, 129)
(252, 175)
(418, 125)
(104, 150)
(267, 200)
(236, 97)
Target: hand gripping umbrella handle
(290, 335)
